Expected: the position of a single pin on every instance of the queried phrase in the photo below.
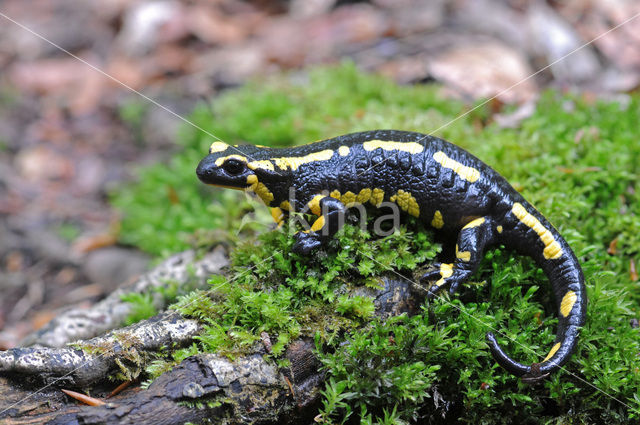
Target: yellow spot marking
(552, 352)
(475, 223)
(218, 147)
(406, 202)
(221, 161)
(363, 196)
(343, 150)
(411, 147)
(468, 173)
(285, 205)
(294, 162)
(314, 204)
(318, 224)
(277, 215)
(499, 229)
(263, 164)
(552, 248)
(348, 198)
(463, 255)
(259, 189)
(446, 270)
(567, 303)
(437, 221)
(376, 197)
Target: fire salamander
(428, 178)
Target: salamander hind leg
(472, 240)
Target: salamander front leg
(472, 240)
(330, 212)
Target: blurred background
(68, 133)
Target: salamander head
(245, 167)
(229, 171)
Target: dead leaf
(619, 46)
(42, 163)
(570, 58)
(211, 26)
(89, 243)
(486, 70)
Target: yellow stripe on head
(263, 165)
(221, 160)
(218, 147)
(294, 162)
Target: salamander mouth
(229, 187)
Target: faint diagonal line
(123, 84)
(626, 21)
(483, 323)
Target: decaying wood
(100, 356)
(110, 313)
(249, 389)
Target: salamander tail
(567, 282)
(559, 354)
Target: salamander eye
(233, 166)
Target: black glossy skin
(434, 187)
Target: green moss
(142, 307)
(146, 304)
(287, 296)
(577, 161)
(283, 295)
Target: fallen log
(248, 389)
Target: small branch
(110, 313)
(99, 356)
